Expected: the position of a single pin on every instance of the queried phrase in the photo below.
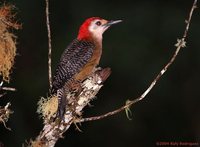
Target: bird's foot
(76, 87)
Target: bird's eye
(98, 23)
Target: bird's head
(94, 27)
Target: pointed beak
(111, 22)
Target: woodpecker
(80, 58)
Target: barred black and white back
(73, 59)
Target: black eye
(98, 23)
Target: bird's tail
(62, 102)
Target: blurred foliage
(136, 50)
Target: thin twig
(180, 44)
(49, 42)
(8, 88)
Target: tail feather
(62, 102)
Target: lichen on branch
(5, 114)
(7, 54)
(7, 40)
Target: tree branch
(180, 44)
(53, 130)
(49, 42)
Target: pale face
(98, 27)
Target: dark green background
(136, 50)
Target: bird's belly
(89, 67)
